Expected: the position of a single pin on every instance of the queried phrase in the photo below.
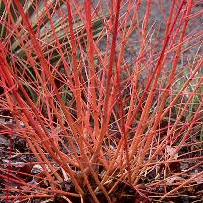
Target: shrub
(106, 96)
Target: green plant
(98, 91)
